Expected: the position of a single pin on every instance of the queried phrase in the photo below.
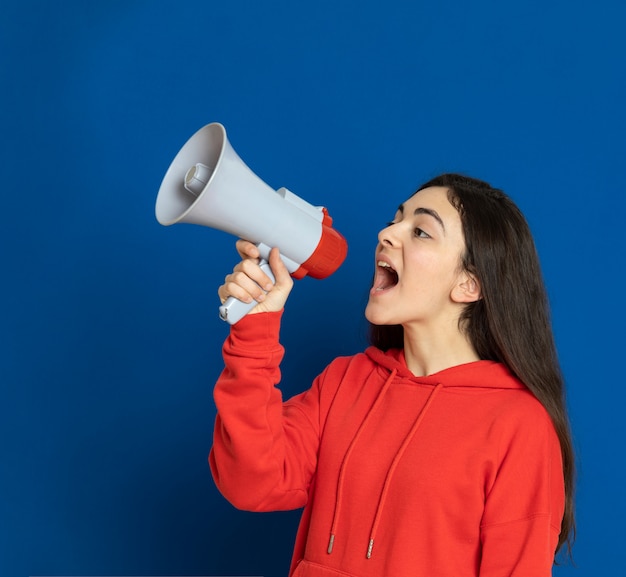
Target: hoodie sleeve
(264, 451)
(524, 505)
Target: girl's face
(418, 277)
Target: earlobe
(467, 291)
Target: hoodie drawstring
(390, 472)
(342, 470)
(394, 464)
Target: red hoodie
(454, 474)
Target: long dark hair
(511, 322)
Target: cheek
(432, 271)
(426, 264)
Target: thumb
(276, 297)
(281, 274)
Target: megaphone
(208, 184)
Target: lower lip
(378, 292)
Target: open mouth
(385, 278)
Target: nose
(387, 236)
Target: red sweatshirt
(450, 475)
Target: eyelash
(417, 231)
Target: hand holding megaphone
(261, 285)
(208, 184)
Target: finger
(247, 249)
(240, 286)
(252, 269)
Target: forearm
(255, 459)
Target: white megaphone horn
(208, 184)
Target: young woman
(443, 450)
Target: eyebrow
(427, 211)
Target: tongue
(385, 278)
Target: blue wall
(110, 335)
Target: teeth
(383, 264)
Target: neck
(428, 352)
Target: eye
(418, 232)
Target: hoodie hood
(479, 374)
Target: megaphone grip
(233, 310)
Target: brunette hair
(511, 322)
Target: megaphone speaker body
(209, 185)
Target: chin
(376, 315)
(368, 313)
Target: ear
(467, 290)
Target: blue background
(110, 335)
